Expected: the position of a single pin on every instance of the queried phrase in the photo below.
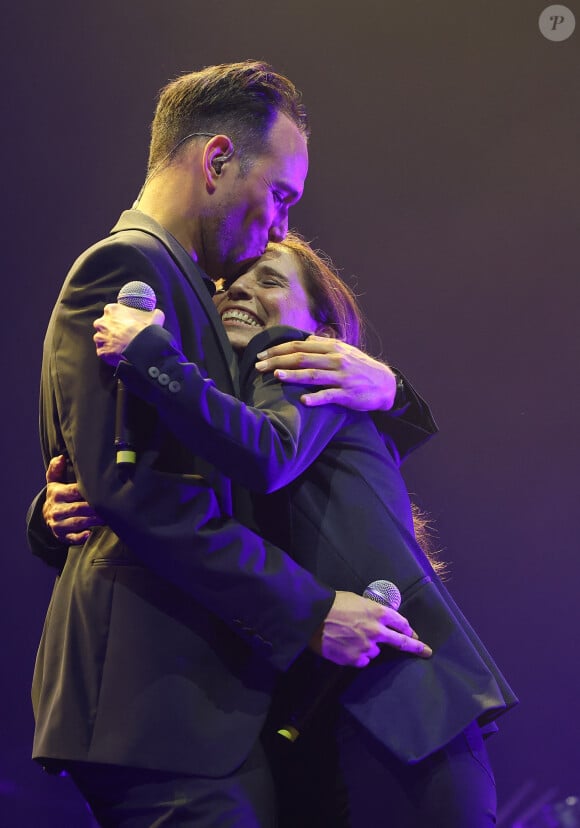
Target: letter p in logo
(557, 23)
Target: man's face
(271, 293)
(253, 208)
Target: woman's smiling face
(270, 293)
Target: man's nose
(279, 230)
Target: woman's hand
(352, 378)
(65, 511)
(118, 326)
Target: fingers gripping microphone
(140, 296)
(382, 592)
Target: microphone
(385, 593)
(142, 297)
(382, 592)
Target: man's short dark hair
(240, 100)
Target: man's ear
(217, 152)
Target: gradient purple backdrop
(444, 182)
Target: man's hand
(66, 513)
(354, 379)
(118, 326)
(354, 628)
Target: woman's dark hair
(332, 303)
(240, 100)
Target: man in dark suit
(166, 628)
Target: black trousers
(336, 775)
(122, 797)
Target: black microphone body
(382, 592)
(142, 297)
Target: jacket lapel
(200, 283)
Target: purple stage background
(445, 183)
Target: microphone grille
(138, 295)
(385, 593)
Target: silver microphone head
(138, 295)
(385, 593)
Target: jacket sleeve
(167, 513)
(263, 442)
(409, 424)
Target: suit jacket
(166, 629)
(341, 508)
